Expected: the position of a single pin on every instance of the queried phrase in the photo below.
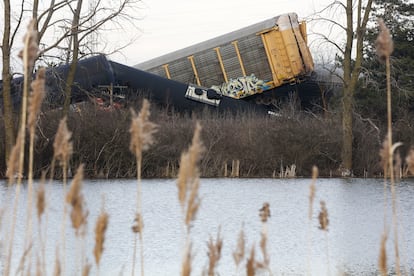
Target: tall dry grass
(385, 47)
(142, 132)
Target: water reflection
(296, 245)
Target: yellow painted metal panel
(167, 71)
(277, 56)
(191, 59)
(223, 70)
(236, 48)
(304, 49)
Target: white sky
(167, 26)
(171, 25)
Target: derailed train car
(98, 77)
(262, 63)
(249, 69)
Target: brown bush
(263, 144)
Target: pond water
(296, 245)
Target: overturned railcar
(262, 63)
(98, 77)
(249, 69)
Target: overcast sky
(166, 26)
(171, 25)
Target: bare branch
(19, 22)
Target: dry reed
(382, 262)
(86, 269)
(188, 183)
(384, 47)
(323, 217)
(74, 197)
(142, 131)
(251, 263)
(187, 261)
(41, 200)
(28, 55)
(40, 207)
(264, 214)
(323, 225)
(62, 145)
(214, 253)
(410, 161)
(238, 254)
(100, 230)
(312, 192)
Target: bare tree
(350, 55)
(6, 46)
(64, 23)
(79, 32)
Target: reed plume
(323, 217)
(238, 254)
(142, 131)
(75, 198)
(62, 145)
(214, 253)
(251, 263)
(323, 225)
(188, 183)
(100, 230)
(63, 149)
(384, 44)
(264, 214)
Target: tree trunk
(347, 98)
(72, 69)
(7, 100)
(351, 74)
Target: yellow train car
(245, 62)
